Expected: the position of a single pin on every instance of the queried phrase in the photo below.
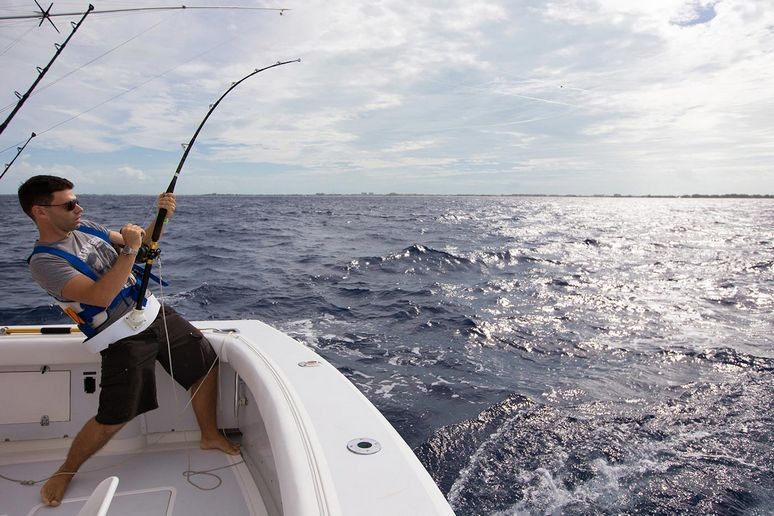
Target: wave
(722, 356)
(523, 457)
(418, 253)
(416, 258)
(762, 266)
(419, 258)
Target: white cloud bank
(581, 96)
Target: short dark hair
(40, 190)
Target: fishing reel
(145, 253)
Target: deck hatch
(33, 397)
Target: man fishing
(88, 270)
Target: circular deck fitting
(364, 446)
(309, 363)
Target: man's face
(58, 214)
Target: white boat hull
(297, 415)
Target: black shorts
(128, 385)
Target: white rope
(189, 473)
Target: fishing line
(189, 473)
(169, 350)
(537, 119)
(166, 335)
(121, 94)
(68, 74)
(152, 251)
(143, 83)
(18, 153)
(12, 43)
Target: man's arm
(102, 292)
(165, 201)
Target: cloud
(132, 173)
(461, 94)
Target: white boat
(311, 442)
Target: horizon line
(396, 194)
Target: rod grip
(159, 225)
(56, 330)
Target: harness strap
(95, 232)
(73, 260)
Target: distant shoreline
(598, 196)
(393, 194)
(602, 196)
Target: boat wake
(686, 453)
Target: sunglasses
(69, 205)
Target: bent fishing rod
(18, 152)
(46, 15)
(42, 71)
(152, 251)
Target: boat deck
(151, 481)
(314, 444)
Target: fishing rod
(18, 151)
(42, 71)
(46, 15)
(38, 330)
(65, 330)
(151, 252)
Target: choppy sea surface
(542, 355)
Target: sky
(430, 97)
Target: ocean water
(542, 355)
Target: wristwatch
(128, 251)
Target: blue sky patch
(701, 14)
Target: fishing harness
(90, 318)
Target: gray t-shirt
(53, 272)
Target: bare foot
(54, 489)
(220, 443)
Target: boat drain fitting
(364, 446)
